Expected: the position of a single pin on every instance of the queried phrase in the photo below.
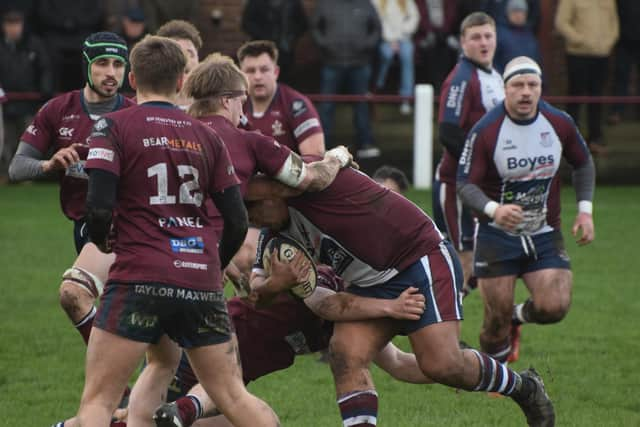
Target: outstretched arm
(343, 306)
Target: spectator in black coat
(24, 67)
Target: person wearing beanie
(515, 37)
(63, 126)
(508, 175)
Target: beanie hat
(517, 5)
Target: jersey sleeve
(304, 118)
(222, 174)
(104, 152)
(40, 133)
(456, 98)
(270, 155)
(574, 147)
(474, 160)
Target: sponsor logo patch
(100, 154)
(191, 245)
(66, 132)
(187, 264)
(298, 107)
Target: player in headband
(509, 174)
(520, 65)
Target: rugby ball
(286, 249)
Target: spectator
(158, 12)
(347, 33)
(515, 38)
(399, 19)
(274, 108)
(590, 30)
(497, 9)
(391, 178)
(62, 33)
(281, 21)
(24, 67)
(133, 29)
(627, 53)
(437, 45)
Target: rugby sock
(84, 326)
(359, 409)
(500, 351)
(190, 409)
(60, 424)
(522, 312)
(496, 376)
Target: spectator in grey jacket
(347, 33)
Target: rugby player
(381, 244)
(471, 89)
(63, 125)
(218, 89)
(271, 337)
(507, 173)
(164, 281)
(276, 109)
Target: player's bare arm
(315, 176)
(343, 306)
(312, 145)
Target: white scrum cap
(521, 65)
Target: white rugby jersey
(515, 161)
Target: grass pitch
(589, 361)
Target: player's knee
(552, 311)
(71, 297)
(342, 362)
(447, 368)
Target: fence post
(423, 137)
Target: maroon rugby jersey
(3, 96)
(289, 119)
(168, 164)
(63, 121)
(271, 337)
(364, 231)
(250, 152)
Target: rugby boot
(536, 406)
(168, 415)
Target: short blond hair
(213, 78)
